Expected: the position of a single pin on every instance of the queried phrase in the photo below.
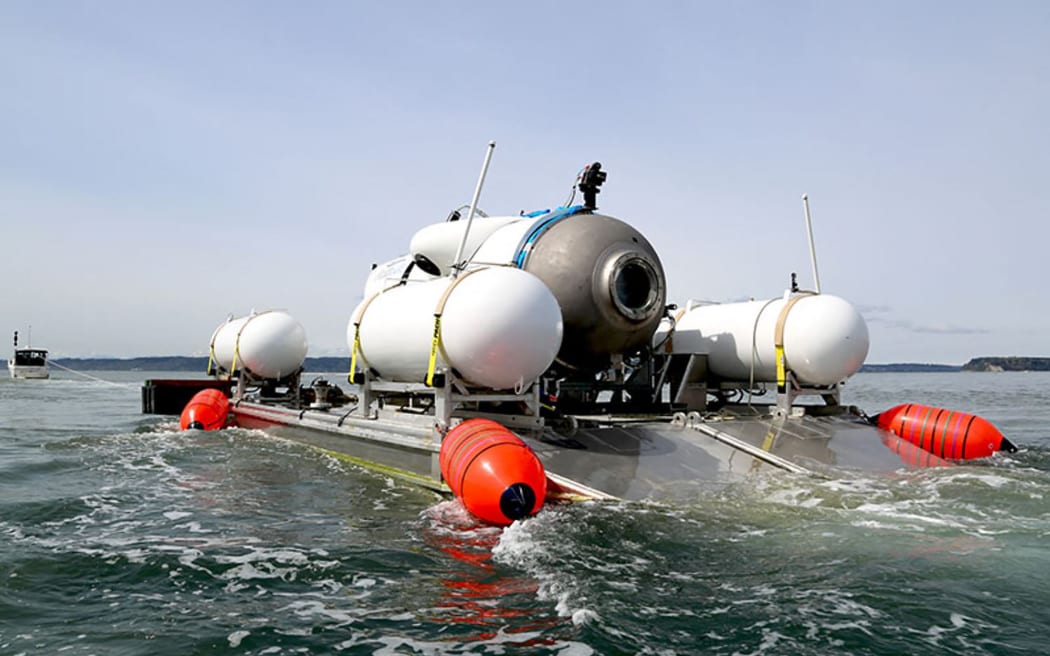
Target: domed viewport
(634, 286)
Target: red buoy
(496, 475)
(207, 410)
(945, 433)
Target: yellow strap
(358, 318)
(771, 436)
(781, 369)
(669, 342)
(236, 354)
(353, 353)
(767, 445)
(237, 344)
(778, 341)
(436, 341)
(432, 364)
(237, 350)
(211, 351)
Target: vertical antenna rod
(457, 266)
(812, 248)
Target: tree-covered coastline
(1011, 363)
(180, 363)
(330, 364)
(906, 367)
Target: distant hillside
(908, 367)
(179, 363)
(163, 363)
(1011, 363)
(336, 364)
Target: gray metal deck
(659, 459)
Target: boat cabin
(30, 358)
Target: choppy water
(120, 534)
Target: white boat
(28, 362)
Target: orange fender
(945, 433)
(207, 410)
(492, 471)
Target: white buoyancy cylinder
(440, 242)
(268, 344)
(491, 240)
(506, 242)
(500, 328)
(391, 273)
(825, 339)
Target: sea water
(122, 535)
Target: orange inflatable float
(945, 433)
(207, 410)
(496, 475)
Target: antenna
(457, 266)
(812, 248)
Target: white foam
(897, 511)
(521, 545)
(247, 572)
(584, 616)
(993, 481)
(291, 556)
(235, 638)
(312, 609)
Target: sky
(166, 165)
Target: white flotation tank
(438, 243)
(269, 345)
(392, 273)
(500, 328)
(824, 337)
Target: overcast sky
(163, 165)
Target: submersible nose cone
(1007, 445)
(517, 501)
(195, 424)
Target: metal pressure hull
(609, 283)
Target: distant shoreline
(186, 363)
(905, 367)
(180, 363)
